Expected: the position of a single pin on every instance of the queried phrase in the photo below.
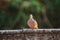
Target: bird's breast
(32, 24)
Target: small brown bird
(32, 23)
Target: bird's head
(31, 16)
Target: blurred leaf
(25, 4)
(36, 5)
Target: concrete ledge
(29, 34)
(30, 31)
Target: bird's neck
(31, 18)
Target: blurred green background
(14, 14)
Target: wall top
(30, 31)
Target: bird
(32, 23)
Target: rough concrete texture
(29, 34)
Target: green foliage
(16, 15)
(36, 6)
(53, 13)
